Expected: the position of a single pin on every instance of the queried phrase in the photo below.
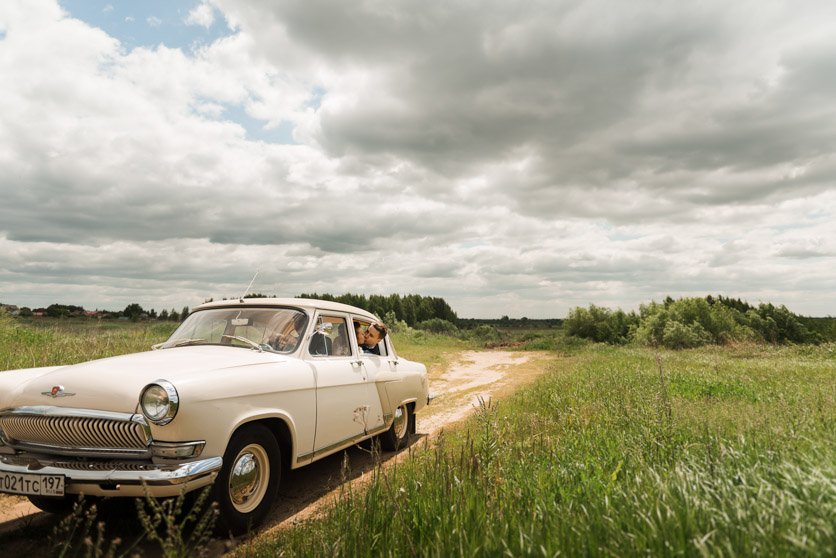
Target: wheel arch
(282, 428)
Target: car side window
(333, 343)
(361, 326)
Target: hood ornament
(57, 391)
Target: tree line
(411, 309)
(693, 322)
(133, 312)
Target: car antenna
(248, 287)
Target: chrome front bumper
(119, 479)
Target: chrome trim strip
(153, 475)
(349, 441)
(304, 457)
(49, 410)
(379, 429)
(159, 449)
(83, 452)
(146, 428)
(339, 445)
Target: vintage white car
(243, 390)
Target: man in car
(374, 335)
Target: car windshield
(270, 329)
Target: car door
(347, 405)
(376, 367)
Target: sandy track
(484, 374)
(305, 491)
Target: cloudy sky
(515, 158)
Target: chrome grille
(74, 432)
(102, 466)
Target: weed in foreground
(73, 535)
(179, 533)
(183, 534)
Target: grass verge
(616, 452)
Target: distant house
(11, 309)
(91, 312)
(39, 312)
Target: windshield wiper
(182, 342)
(245, 340)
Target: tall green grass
(54, 343)
(616, 452)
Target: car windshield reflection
(277, 330)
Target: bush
(679, 336)
(437, 325)
(600, 324)
(693, 322)
(484, 334)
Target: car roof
(305, 303)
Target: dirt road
(469, 376)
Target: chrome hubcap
(401, 422)
(249, 478)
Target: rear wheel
(398, 434)
(249, 479)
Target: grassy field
(613, 452)
(52, 342)
(616, 452)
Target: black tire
(398, 434)
(55, 504)
(249, 480)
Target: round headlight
(159, 402)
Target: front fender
(214, 406)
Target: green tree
(63, 310)
(133, 311)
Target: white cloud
(203, 15)
(515, 159)
(153, 21)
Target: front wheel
(397, 435)
(248, 482)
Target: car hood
(114, 384)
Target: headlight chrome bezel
(173, 402)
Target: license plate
(32, 485)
